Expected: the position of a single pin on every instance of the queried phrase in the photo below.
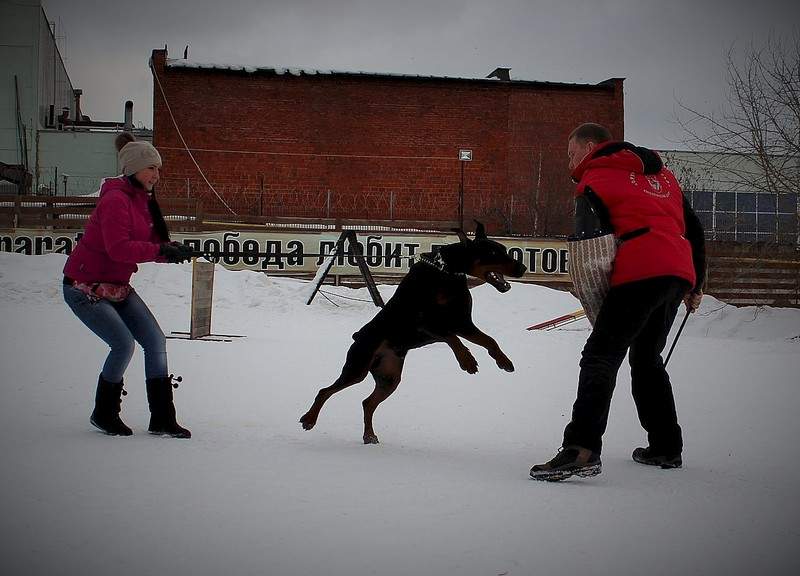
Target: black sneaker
(570, 461)
(646, 456)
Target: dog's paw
(469, 364)
(307, 422)
(505, 363)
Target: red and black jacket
(660, 233)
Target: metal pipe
(128, 115)
(78, 114)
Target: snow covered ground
(447, 490)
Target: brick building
(311, 144)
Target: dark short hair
(590, 132)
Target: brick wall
(375, 146)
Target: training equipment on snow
(560, 321)
(591, 250)
(357, 251)
(590, 264)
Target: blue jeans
(120, 325)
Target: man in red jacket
(660, 261)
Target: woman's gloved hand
(175, 252)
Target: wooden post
(202, 293)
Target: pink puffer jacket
(118, 235)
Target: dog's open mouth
(498, 281)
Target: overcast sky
(668, 50)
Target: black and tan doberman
(431, 304)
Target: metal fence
(509, 215)
(748, 217)
(72, 212)
(54, 182)
(8, 188)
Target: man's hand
(692, 300)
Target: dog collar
(435, 259)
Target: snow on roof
(293, 71)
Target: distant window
(766, 202)
(726, 222)
(746, 202)
(747, 216)
(787, 203)
(787, 223)
(766, 222)
(726, 202)
(702, 201)
(745, 222)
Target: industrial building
(47, 144)
(725, 193)
(273, 142)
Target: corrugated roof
(282, 70)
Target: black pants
(636, 316)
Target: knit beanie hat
(135, 155)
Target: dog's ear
(480, 231)
(461, 236)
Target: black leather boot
(107, 406)
(162, 409)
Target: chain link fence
(54, 182)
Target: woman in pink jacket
(125, 228)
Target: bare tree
(547, 205)
(534, 210)
(754, 140)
